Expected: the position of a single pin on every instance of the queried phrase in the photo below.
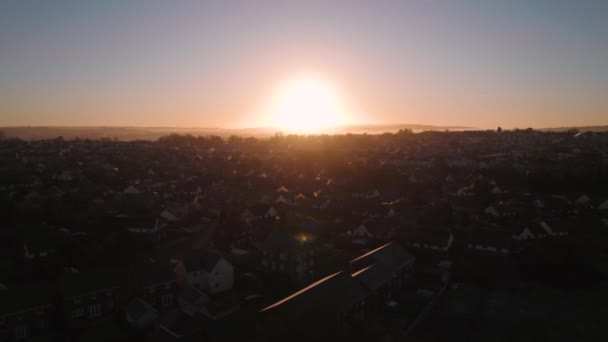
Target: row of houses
(337, 303)
(197, 284)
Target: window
(76, 300)
(21, 332)
(167, 300)
(95, 310)
(109, 293)
(167, 286)
(76, 313)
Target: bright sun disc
(307, 105)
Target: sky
(513, 63)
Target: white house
(491, 211)
(209, 271)
(525, 234)
(362, 231)
(169, 216)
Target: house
(221, 306)
(194, 302)
(153, 230)
(207, 270)
(25, 313)
(90, 296)
(191, 300)
(131, 190)
(361, 232)
(140, 314)
(341, 301)
(260, 211)
(436, 239)
(491, 211)
(271, 213)
(308, 226)
(523, 233)
(300, 200)
(381, 230)
(282, 189)
(289, 254)
(384, 270)
(65, 176)
(247, 214)
(168, 215)
(490, 240)
(155, 284)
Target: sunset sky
(228, 63)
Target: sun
(307, 105)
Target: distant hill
(378, 129)
(579, 128)
(153, 133)
(123, 133)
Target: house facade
(208, 271)
(24, 315)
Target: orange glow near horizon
(307, 104)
